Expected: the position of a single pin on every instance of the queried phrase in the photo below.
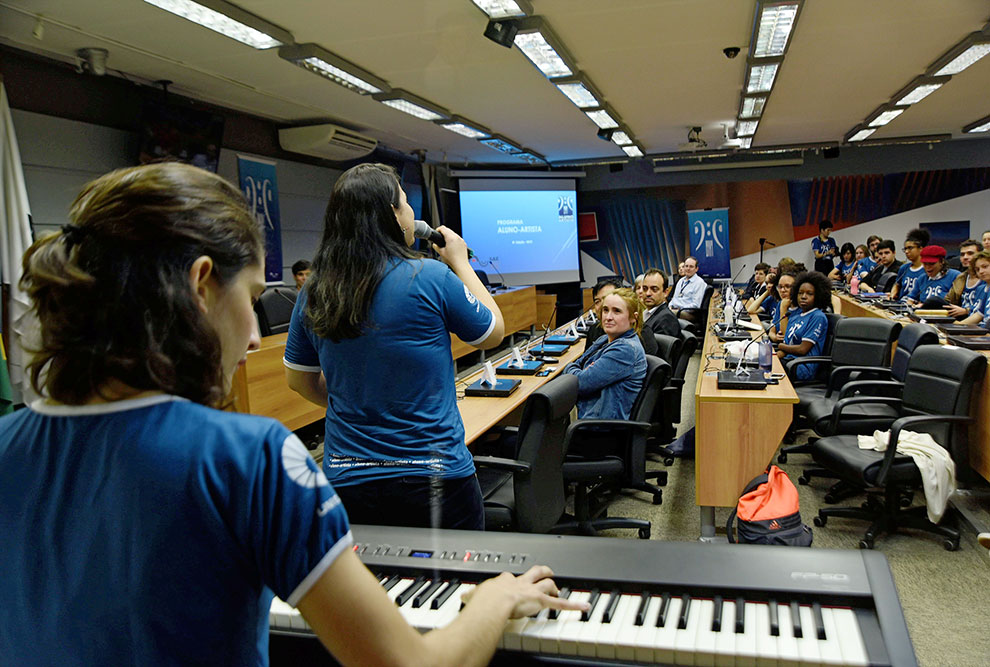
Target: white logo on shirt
(470, 297)
(300, 466)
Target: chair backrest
(911, 338)
(863, 341)
(707, 298)
(833, 319)
(274, 309)
(687, 351)
(668, 348)
(539, 495)
(941, 381)
(657, 376)
(885, 282)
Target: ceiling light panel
(535, 47)
(504, 9)
(982, 125)
(752, 106)
(602, 119)
(501, 144)
(529, 157)
(967, 52)
(228, 20)
(760, 77)
(579, 93)
(318, 60)
(861, 134)
(917, 90)
(633, 151)
(465, 128)
(774, 29)
(746, 128)
(620, 138)
(412, 105)
(885, 117)
(745, 142)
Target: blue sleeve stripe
(299, 593)
(300, 367)
(488, 331)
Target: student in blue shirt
(938, 278)
(911, 271)
(806, 329)
(140, 524)
(847, 262)
(981, 312)
(611, 373)
(825, 248)
(967, 289)
(864, 263)
(369, 340)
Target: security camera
(731, 52)
(92, 61)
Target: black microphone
(741, 268)
(546, 330)
(421, 230)
(742, 354)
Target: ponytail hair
(112, 293)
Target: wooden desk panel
(979, 432)
(519, 308)
(546, 310)
(736, 431)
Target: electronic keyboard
(678, 603)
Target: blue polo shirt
(935, 287)
(864, 266)
(845, 267)
(392, 406)
(153, 531)
(801, 326)
(908, 279)
(972, 296)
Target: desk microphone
(546, 330)
(421, 230)
(742, 355)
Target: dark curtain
(638, 232)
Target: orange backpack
(769, 512)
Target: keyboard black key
(664, 606)
(644, 602)
(774, 620)
(685, 610)
(563, 595)
(452, 586)
(796, 619)
(408, 594)
(717, 614)
(592, 601)
(740, 616)
(816, 610)
(392, 581)
(425, 594)
(613, 600)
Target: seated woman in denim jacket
(611, 372)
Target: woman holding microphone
(370, 340)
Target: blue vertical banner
(709, 238)
(260, 188)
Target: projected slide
(526, 228)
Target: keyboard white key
(608, 633)
(625, 638)
(746, 640)
(725, 642)
(589, 633)
(849, 638)
(787, 647)
(766, 643)
(530, 634)
(808, 641)
(704, 641)
(665, 639)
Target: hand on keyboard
(528, 593)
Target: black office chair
(526, 493)
(274, 310)
(668, 412)
(606, 455)
(699, 315)
(936, 397)
(886, 282)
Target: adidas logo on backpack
(769, 512)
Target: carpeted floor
(944, 595)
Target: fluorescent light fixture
(915, 139)
(746, 128)
(602, 118)
(541, 46)
(501, 144)
(760, 76)
(883, 115)
(408, 103)
(918, 90)
(752, 106)
(620, 138)
(228, 20)
(633, 151)
(860, 134)
(530, 157)
(745, 142)
(504, 9)
(982, 125)
(773, 31)
(962, 55)
(465, 128)
(318, 60)
(579, 91)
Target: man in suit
(658, 315)
(600, 291)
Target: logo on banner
(708, 233)
(565, 209)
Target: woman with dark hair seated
(847, 262)
(611, 373)
(143, 526)
(808, 326)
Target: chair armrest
(496, 463)
(675, 383)
(858, 400)
(840, 374)
(575, 428)
(792, 365)
(903, 423)
(879, 387)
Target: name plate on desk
(746, 380)
(502, 388)
(514, 368)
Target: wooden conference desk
(736, 431)
(518, 306)
(979, 432)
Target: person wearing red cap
(937, 281)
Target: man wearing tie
(689, 292)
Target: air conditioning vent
(330, 142)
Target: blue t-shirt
(983, 307)
(935, 287)
(778, 316)
(864, 266)
(610, 375)
(824, 247)
(769, 305)
(908, 280)
(392, 405)
(153, 531)
(845, 267)
(973, 296)
(801, 326)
